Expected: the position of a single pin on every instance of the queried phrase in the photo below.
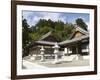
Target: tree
(44, 30)
(50, 23)
(68, 30)
(81, 23)
(41, 23)
(25, 36)
(33, 29)
(59, 25)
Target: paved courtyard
(31, 64)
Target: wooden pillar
(73, 49)
(88, 49)
(79, 51)
(67, 51)
(79, 48)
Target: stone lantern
(56, 52)
(42, 53)
(65, 51)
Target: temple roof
(79, 29)
(85, 36)
(45, 42)
(46, 35)
(73, 40)
(63, 42)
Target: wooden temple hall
(47, 48)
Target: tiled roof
(80, 30)
(73, 40)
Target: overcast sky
(33, 17)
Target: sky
(33, 17)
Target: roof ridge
(82, 30)
(78, 27)
(45, 35)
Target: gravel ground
(49, 64)
(67, 64)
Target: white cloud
(34, 17)
(52, 16)
(34, 20)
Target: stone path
(29, 65)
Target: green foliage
(59, 26)
(25, 24)
(57, 35)
(25, 34)
(44, 26)
(81, 23)
(67, 30)
(42, 23)
(34, 36)
(44, 30)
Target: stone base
(55, 62)
(42, 60)
(33, 58)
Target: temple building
(78, 43)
